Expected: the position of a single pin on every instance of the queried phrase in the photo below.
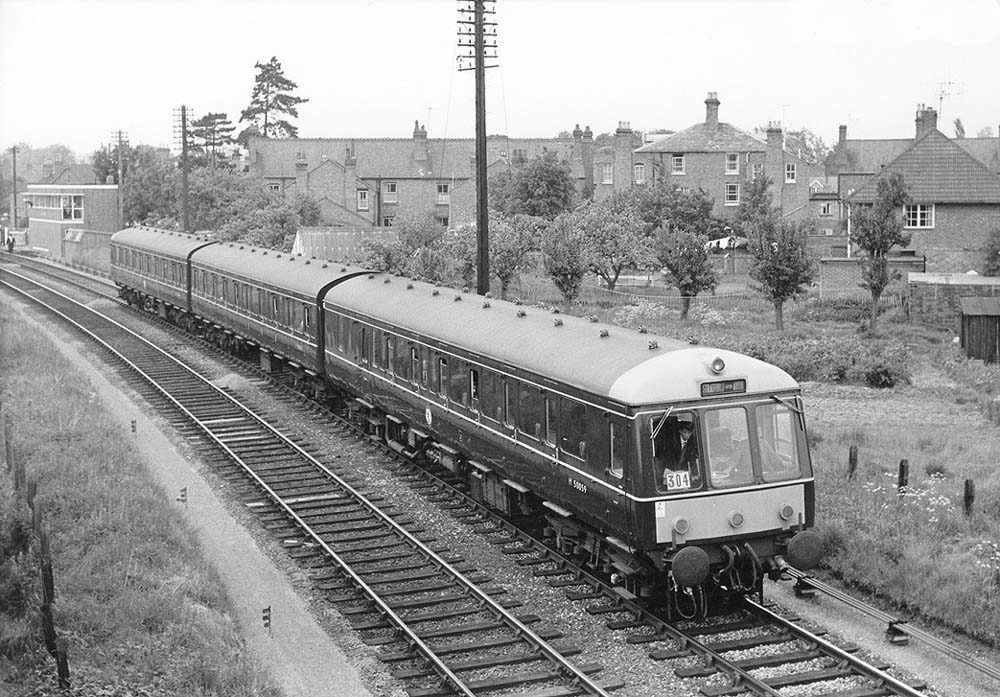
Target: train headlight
(718, 365)
(786, 512)
(681, 525)
(736, 519)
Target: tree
(271, 97)
(667, 207)
(150, 191)
(781, 264)
(513, 241)
(105, 161)
(613, 236)
(959, 128)
(991, 254)
(686, 265)
(542, 188)
(985, 132)
(755, 208)
(803, 142)
(210, 133)
(563, 257)
(875, 228)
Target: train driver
(680, 448)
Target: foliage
(667, 207)
(308, 209)
(563, 257)
(423, 249)
(876, 228)
(210, 133)
(272, 97)
(542, 188)
(513, 241)
(991, 254)
(959, 128)
(105, 162)
(803, 142)
(19, 575)
(756, 208)
(612, 235)
(686, 264)
(149, 194)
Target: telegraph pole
(185, 221)
(121, 176)
(475, 42)
(13, 151)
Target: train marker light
(786, 512)
(736, 519)
(718, 365)
(681, 525)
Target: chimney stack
(925, 121)
(774, 160)
(712, 111)
(420, 148)
(843, 134)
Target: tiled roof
(702, 138)
(74, 174)
(870, 155)
(937, 170)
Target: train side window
(474, 388)
(307, 318)
(260, 302)
(458, 381)
(530, 411)
(415, 369)
(274, 307)
(341, 333)
(550, 420)
(442, 377)
(236, 293)
(329, 334)
(573, 428)
(616, 437)
(389, 358)
(402, 358)
(363, 348)
(509, 392)
(491, 404)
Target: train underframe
(683, 583)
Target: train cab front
(732, 493)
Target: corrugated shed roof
(936, 170)
(980, 306)
(702, 138)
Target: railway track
(380, 569)
(756, 651)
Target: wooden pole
(904, 475)
(852, 461)
(969, 499)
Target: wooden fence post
(852, 461)
(62, 665)
(904, 475)
(970, 496)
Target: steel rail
(521, 628)
(866, 669)
(894, 625)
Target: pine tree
(272, 96)
(211, 132)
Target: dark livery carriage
(541, 413)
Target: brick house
(72, 222)
(369, 182)
(721, 159)
(955, 197)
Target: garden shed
(981, 328)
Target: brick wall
(955, 244)
(935, 298)
(842, 276)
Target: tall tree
(542, 188)
(802, 142)
(959, 128)
(513, 241)
(780, 262)
(149, 195)
(613, 236)
(271, 98)
(210, 133)
(563, 257)
(686, 264)
(665, 206)
(876, 228)
(755, 209)
(105, 161)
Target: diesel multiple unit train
(681, 472)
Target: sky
(74, 72)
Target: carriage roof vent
(642, 330)
(385, 280)
(465, 289)
(486, 303)
(435, 292)
(457, 298)
(343, 269)
(409, 286)
(592, 318)
(557, 322)
(521, 313)
(324, 266)
(653, 345)
(307, 261)
(371, 276)
(264, 252)
(518, 301)
(604, 333)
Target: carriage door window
(530, 411)
(363, 345)
(728, 447)
(508, 411)
(390, 355)
(414, 365)
(474, 388)
(306, 318)
(442, 377)
(776, 436)
(550, 420)
(616, 438)
(573, 429)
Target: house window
(387, 220)
(732, 163)
(275, 188)
(732, 194)
(444, 193)
(362, 199)
(677, 164)
(639, 173)
(72, 207)
(389, 192)
(919, 215)
(300, 156)
(826, 209)
(756, 170)
(607, 174)
(790, 173)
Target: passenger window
(389, 359)
(573, 428)
(530, 411)
(474, 387)
(274, 306)
(442, 377)
(616, 436)
(491, 404)
(508, 411)
(550, 421)
(363, 345)
(306, 318)
(415, 369)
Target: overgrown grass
(142, 612)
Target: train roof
(623, 364)
(292, 272)
(165, 242)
